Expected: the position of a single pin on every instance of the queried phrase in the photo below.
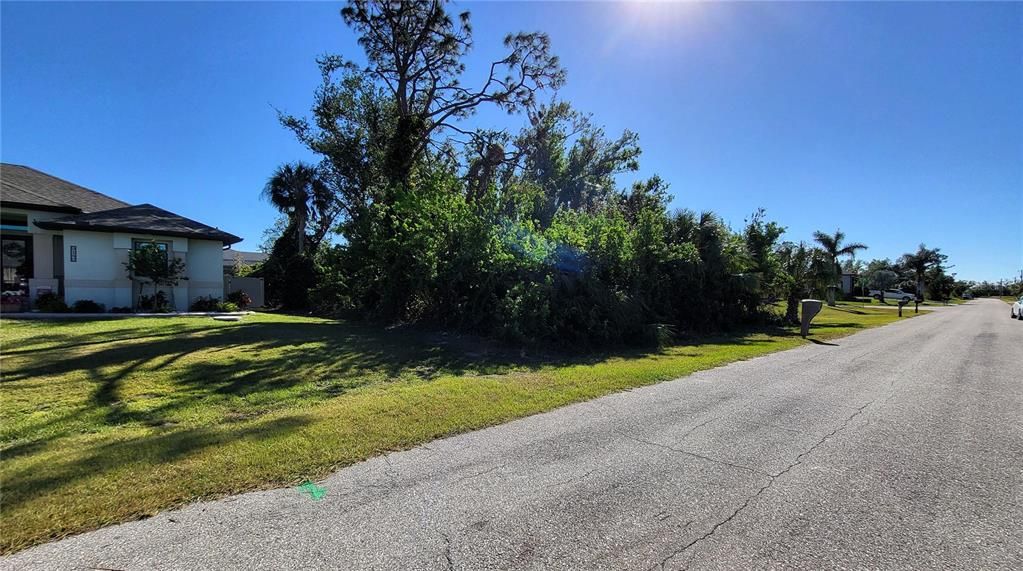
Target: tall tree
(416, 49)
(835, 247)
(352, 128)
(760, 237)
(940, 285)
(570, 160)
(920, 262)
(797, 277)
(300, 194)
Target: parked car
(892, 294)
(1017, 308)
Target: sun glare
(649, 21)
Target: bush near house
(88, 306)
(156, 303)
(204, 304)
(210, 304)
(239, 298)
(49, 302)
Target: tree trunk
(792, 309)
(300, 230)
(837, 284)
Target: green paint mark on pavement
(315, 492)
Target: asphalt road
(899, 447)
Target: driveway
(899, 447)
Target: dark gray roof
(26, 187)
(141, 219)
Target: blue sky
(899, 123)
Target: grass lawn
(109, 420)
(927, 303)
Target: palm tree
(299, 193)
(834, 248)
(796, 261)
(919, 262)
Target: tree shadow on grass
(251, 368)
(62, 335)
(141, 453)
(846, 309)
(270, 363)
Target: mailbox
(810, 308)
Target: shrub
(87, 306)
(239, 298)
(120, 310)
(227, 307)
(288, 279)
(49, 302)
(154, 303)
(205, 304)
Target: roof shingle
(27, 187)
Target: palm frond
(851, 249)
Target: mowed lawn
(108, 420)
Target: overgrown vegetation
(109, 420)
(411, 216)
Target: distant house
(848, 282)
(234, 259)
(62, 237)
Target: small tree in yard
(796, 262)
(148, 263)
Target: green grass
(110, 420)
(927, 303)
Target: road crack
(571, 480)
(773, 478)
(447, 551)
(478, 474)
(693, 454)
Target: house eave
(223, 237)
(40, 207)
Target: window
(164, 247)
(150, 245)
(10, 221)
